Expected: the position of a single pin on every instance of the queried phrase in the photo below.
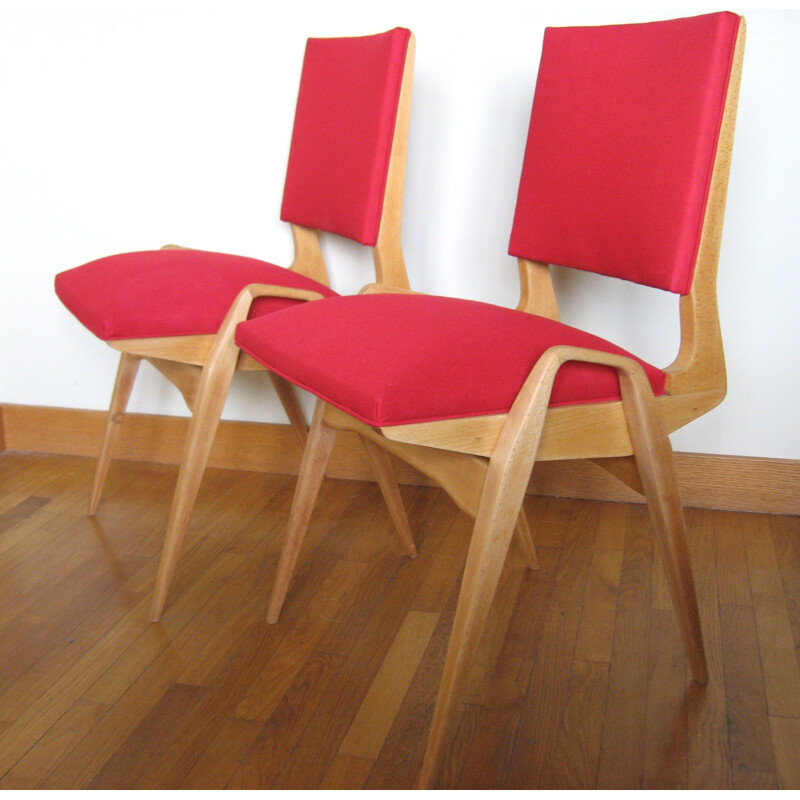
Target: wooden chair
(178, 308)
(625, 174)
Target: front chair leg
(497, 518)
(214, 384)
(126, 375)
(312, 471)
(491, 538)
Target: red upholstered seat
(169, 292)
(393, 359)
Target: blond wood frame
(484, 463)
(202, 367)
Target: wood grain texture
(735, 483)
(579, 680)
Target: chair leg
(312, 471)
(291, 405)
(498, 517)
(495, 524)
(126, 375)
(382, 467)
(656, 464)
(214, 384)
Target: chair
(178, 308)
(625, 174)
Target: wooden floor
(581, 681)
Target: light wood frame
(484, 463)
(202, 367)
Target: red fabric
(394, 359)
(621, 146)
(342, 139)
(169, 292)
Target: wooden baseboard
(706, 481)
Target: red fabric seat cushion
(394, 359)
(169, 292)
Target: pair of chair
(625, 174)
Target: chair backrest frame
(387, 251)
(700, 363)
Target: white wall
(128, 125)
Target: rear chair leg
(312, 471)
(656, 464)
(291, 405)
(382, 467)
(126, 375)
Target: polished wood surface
(579, 680)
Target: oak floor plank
(752, 755)
(215, 766)
(366, 734)
(400, 759)
(666, 736)
(786, 539)
(377, 628)
(347, 772)
(276, 740)
(19, 511)
(537, 740)
(709, 761)
(271, 683)
(34, 767)
(486, 764)
(622, 741)
(578, 748)
(786, 738)
(596, 632)
(244, 601)
(153, 735)
(779, 661)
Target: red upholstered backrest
(343, 131)
(621, 147)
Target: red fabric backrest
(343, 132)
(621, 147)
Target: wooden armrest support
(255, 290)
